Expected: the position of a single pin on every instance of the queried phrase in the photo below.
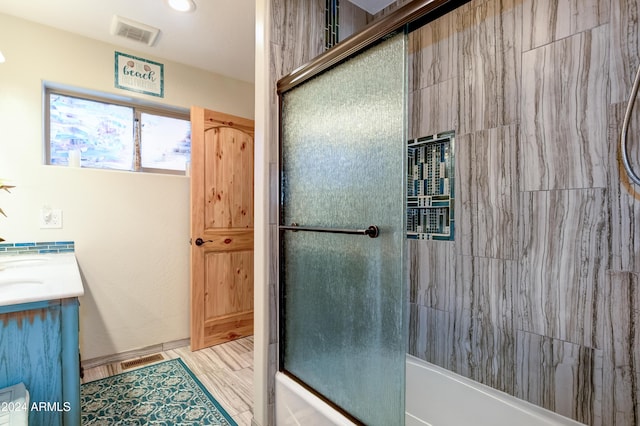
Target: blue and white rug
(166, 393)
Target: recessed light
(182, 5)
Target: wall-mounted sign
(139, 75)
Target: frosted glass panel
(343, 157)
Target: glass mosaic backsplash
(430, 182)
(37, 247)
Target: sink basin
(4, 282)
(32, 278)
(14, 287)
(19, 261)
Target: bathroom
(491, 58)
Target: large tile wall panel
(483, 287)
(483, 340)
(430, 284)
(546, 21)
(273, 367)
(298, 26)
(624, 197)
(487, 194)
(433, 82)
(508, 33)
(477, 67)
(563, 262)
(495, 180)
(466, 203)
(413, 269)
(560, 376)
(277, 68)
(274, 301)
(621, 381)
(624, 47)
(489, 64)
(435, 109)
(433, 51)
(435, 341)
(565, 93)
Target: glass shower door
(342, 315)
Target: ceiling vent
(133, 30)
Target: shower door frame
(364, 230)
(413, 15)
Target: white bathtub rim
(322, 408)
(527, 408)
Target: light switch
(50, 218)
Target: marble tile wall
(624, 47)
(564, 84)
(538, 294)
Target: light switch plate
(50, 218)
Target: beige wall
(131, 229)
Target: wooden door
(221, 227)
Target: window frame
(138, 106)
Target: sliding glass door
(342, 291)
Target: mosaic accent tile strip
(332, 24)
(430, 184)
(9, 249)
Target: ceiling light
(182, 5)
(1, 58)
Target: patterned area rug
(166, 393)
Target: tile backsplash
(37, 247)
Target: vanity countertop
(37, 277)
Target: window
(106, 134)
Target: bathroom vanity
(39, 334)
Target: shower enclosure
(531, 303)
(342, 290)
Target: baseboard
(134, 353)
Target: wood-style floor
(226, 370)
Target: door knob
(200, 241)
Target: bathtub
(434, 397)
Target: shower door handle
(372, 231)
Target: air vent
(141, 361)
(133, 30)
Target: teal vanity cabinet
(39, 347)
